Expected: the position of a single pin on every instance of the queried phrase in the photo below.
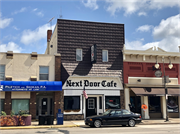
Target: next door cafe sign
(92, 83)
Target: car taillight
(140, 116)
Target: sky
(148, 23)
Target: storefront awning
(148, 91)
(174, 91)
(30, 86)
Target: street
(138, 129)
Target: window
(112, 102)
(173, 104)
(90, 103)
(105, 55)
(71, 102)
(2, 105)
(126, 112)
(154, 104)
(78, 54)
(43, 73)
(100, 102)
(2, 72)
(20, 105)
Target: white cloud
(34, 9)
(167, 28)
(29, 36)
(11, 46)
(142, 14)
(15, 28)
(23, 9)
(90, 4)
(40, 14)
(132, 6)
(133, 45)
(144, 28)
(4, 22)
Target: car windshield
(107, 112)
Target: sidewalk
(80, 123)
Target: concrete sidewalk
(80, 123)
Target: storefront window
(18, 105)
(100, 102)
(2, 105)
(172, 104)
(154, 104)
(71, 102)
(112, 102)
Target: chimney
(179, 48)
(49, 33)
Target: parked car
(114, 117)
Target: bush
(3, 113)
(23, 113)
(12, 113)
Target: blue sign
(30, 86)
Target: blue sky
(24, 24)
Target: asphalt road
(139, 129)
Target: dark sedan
(114, 117)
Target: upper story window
(78, 54)
(43, 73)
(105, 55)
(2, 72)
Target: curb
(36, 127)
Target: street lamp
(165, 81)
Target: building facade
(144, 84)
(91, 60)
(28, 83)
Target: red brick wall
(143, 69)
(32, 105)
(58, 102)
(122, 99)
(49, 33)
(7, 103)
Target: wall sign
(87, 83)
(30, 86)
(93, 53)
(158, 73)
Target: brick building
(91, 59)
(27, 82)
(144, 84)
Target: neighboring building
(102, 78)
(143, 87)
(28, 83)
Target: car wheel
(97, 123)
(131, 123)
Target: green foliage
(3, 113)
(23, 113)
(12, 113)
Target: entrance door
(91, 106)
(45, 106)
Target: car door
(126, 115)
(115, 117)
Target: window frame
(4, 71)
(43, 73)
(81, 54)
(72, 108)
(106, 56)
(2, 105)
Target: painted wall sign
(87, 83)
(93, 83)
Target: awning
(174, 91)
(30, 86)
(148, 91)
